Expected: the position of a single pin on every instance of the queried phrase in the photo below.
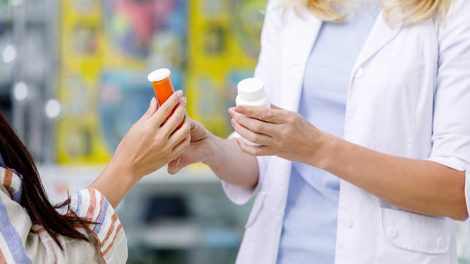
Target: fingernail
(184, 100)
(179, 93)
(152, 102)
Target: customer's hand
(199, 150)
(279, 133)
(154, 141)
(151, 142)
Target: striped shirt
(23, 242)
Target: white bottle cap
(251, 90)
(159, 75)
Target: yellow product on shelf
(82, 56)
(221, 53)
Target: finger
(256, 125)
(159, 117)
(152, 108)
(250, 135)
(183, 132)
(255, 150)
(262, 113)
(233, 113)
(181, 146)
(174, 166)
(175, 119)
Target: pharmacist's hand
(199, 150)
(154, 141)
(279, 132)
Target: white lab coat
(409, 96)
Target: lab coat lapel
(381, 34)
(297, 40)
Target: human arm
(223, 156)
(25, 241)
(151, 143)
(414, 185)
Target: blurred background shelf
(196, 174)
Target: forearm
(231, 164)
(419, 186)
(114, 183)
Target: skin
(412, 185)
(150, 143)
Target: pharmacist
(363, 157)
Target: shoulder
(459, 12)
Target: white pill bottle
(251, 92)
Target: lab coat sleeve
(267, 70)
(451, 124)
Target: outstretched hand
(199, 149)
(159, 136)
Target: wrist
(323, 151)
(124, 169)
(212, 142)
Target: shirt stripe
(114, 240)
(110, 230)
(2, 257)
(91, 208)
(7, 180)
(79, 203)
(101, 216)
(11, 237)
(17, 195)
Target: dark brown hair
(33, 197)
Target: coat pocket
(412, 238)
(257, 207)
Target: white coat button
(392, 232)
(347, 222)
(359, 73)
(441, 242)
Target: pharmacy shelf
(85, 174)
(184, 235)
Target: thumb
(152, 108)
(174, 166)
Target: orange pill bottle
(162, 85)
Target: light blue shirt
(309, 230)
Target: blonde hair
(407, 11)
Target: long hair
(33, 196)
(409, 11)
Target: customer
(85, 228)
(364, 160)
